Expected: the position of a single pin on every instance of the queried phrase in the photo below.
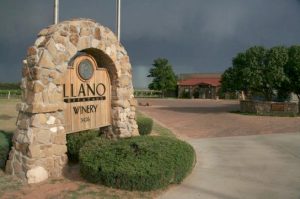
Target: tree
(9, 86)
(292, 70)
(258, 70)
(273, 73)
(164, 78)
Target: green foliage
(5, 145)
(145, 125)
(9, 86)
(258, 70)
(140, 163)
(292, 69)
(164, 78)
(76, 140)
(12, 92)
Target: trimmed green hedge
(5, 145)
(76, 140)
(140, 163)
(145, 125)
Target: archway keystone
(40, 139)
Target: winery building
(199, 85)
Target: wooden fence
(147, 94)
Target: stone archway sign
(76, 76)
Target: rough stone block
(60, 139)
(133, 102)
(42, 137)
(51, 120)
(43, 32)
(97, 34)
(31, 51)
(95, 43)
(74, 39)
(9, 167)
(72, 50)
(59, 39)
(59, 149)
(85, 31)
(46, 60)
(121, 103)
(17, 167)
(34, 151)
(49, 163)
(83, 43)
(60, 58)
(73, 29)
(38, 120)
(51, 47)
(36, 175)
(38, 86)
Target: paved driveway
(211, 118)
(249, 157)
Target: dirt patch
(5, 117)
(43, 191)
(71, 186)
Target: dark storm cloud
(195, 35)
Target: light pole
(118, 19)
(56, 11)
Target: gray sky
(195, 35)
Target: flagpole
(56, 11)
(118, 19)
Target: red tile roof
(214, 81)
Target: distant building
(199, 85)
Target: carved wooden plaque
(87, 96)
(277, 107)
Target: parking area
(213, 118)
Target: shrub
(5, 144)
(145, 125)
(76, 140)
(140, 163)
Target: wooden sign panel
(87, 96)
(277, 107)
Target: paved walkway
(248, 166)
(260, 167)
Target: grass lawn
(72, 185)
(8, 115)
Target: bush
(76, 140)
(145, 125)
(140, 163)
(5, 145)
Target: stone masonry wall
(261, 107)
(40, 139)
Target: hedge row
(5, 145)
(76, 140)
(145, 125)
(140, 163)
